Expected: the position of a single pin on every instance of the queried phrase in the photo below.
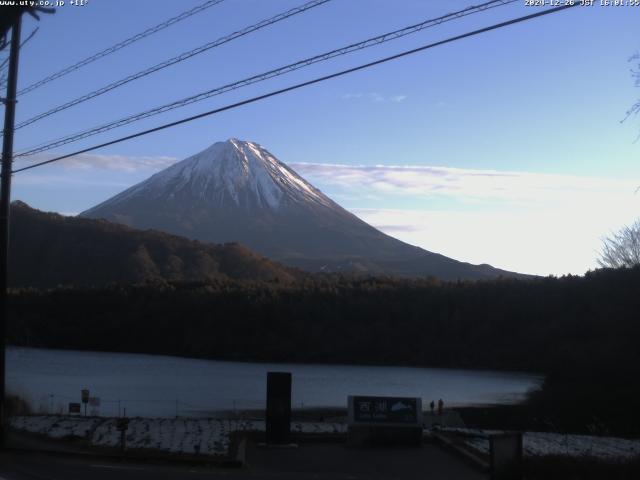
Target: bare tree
(622, 248)
(635, 73)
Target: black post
(5, 204)
(278, 418)
(122, 424)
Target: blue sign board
(392, 411)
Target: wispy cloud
(116, 163)
(539, 242)
(469, 184)
(29, 179)
(390, 228)
(351, 96)
(374, 97)
(522, 221)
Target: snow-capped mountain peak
(236, 191)
(234, 172)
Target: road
(317, 462)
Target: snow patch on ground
(210, 436)
(56, 426)
(204, 436)
(190, 436)
(538, 444)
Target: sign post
(94, 403)
(122, 424)
(278, 417)
(384, 420)
(505, 454)
(85, 399)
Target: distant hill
(238, 191)
(48, 249)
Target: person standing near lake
(440, 406)
(432, 405)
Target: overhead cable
(120, 45)
(264, 76)
(303, 84)
(172, 61)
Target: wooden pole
(5, 205)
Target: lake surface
(158, 386)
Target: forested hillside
(537, 325)
(48, 250)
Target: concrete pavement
(306, 462)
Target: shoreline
(520, 373)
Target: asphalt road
(318, 462)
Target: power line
(120, 45)
(176, 59)
(29, 37)
(6, 60)
(305, 84)
(265, 76)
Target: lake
(159, 386)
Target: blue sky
(505, 148)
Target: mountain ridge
(49, 250)
(238, 191)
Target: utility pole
(5, 203)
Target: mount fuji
(236, 191)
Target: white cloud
(374, 97)
(466, 184)
(29, 179)
(521, 221)
(538, 243)
(350, 96)
(120, 163)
